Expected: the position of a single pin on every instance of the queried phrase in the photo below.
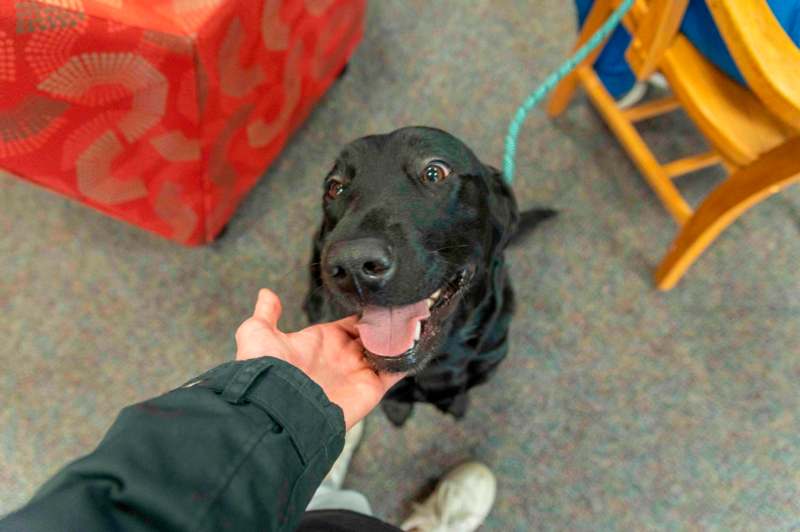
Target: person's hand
(329, 353)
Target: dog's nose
(365, 262)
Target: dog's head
(412, 220)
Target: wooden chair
(754, 133)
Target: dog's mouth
(395, 338)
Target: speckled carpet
(618, 408)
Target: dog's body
(414, 234)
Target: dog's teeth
(430, 301)
(436, 294)
(418, 331)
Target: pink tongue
(389, 331)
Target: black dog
(412, 240)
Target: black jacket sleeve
(242, 447)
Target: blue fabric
(610, 64)
(699, 28)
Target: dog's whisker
(450, 247)
(282, 277)
(451, 263)
(446, 261)
(316, 291)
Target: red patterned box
(163, 113)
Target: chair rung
(651, 109)
(690, 164)
(634, 144)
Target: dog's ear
(503, 210)
(313, 304)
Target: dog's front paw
(397, 412)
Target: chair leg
(747, 186)
(563, 92)
(633, 143)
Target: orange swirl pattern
(163, 113)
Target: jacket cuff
(288, 395)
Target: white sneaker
(460, 502)
(338, 472)
(658, 81)
(639, 89)
(633, 96)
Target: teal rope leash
(551, 81)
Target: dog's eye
(334, 187)
(435, 172)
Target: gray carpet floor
(619, 407)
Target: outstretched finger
(268, 307)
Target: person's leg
(460, 502)
(610, 65)
(330, 495)
(342, 521)
(333, 509)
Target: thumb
(268, 307)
